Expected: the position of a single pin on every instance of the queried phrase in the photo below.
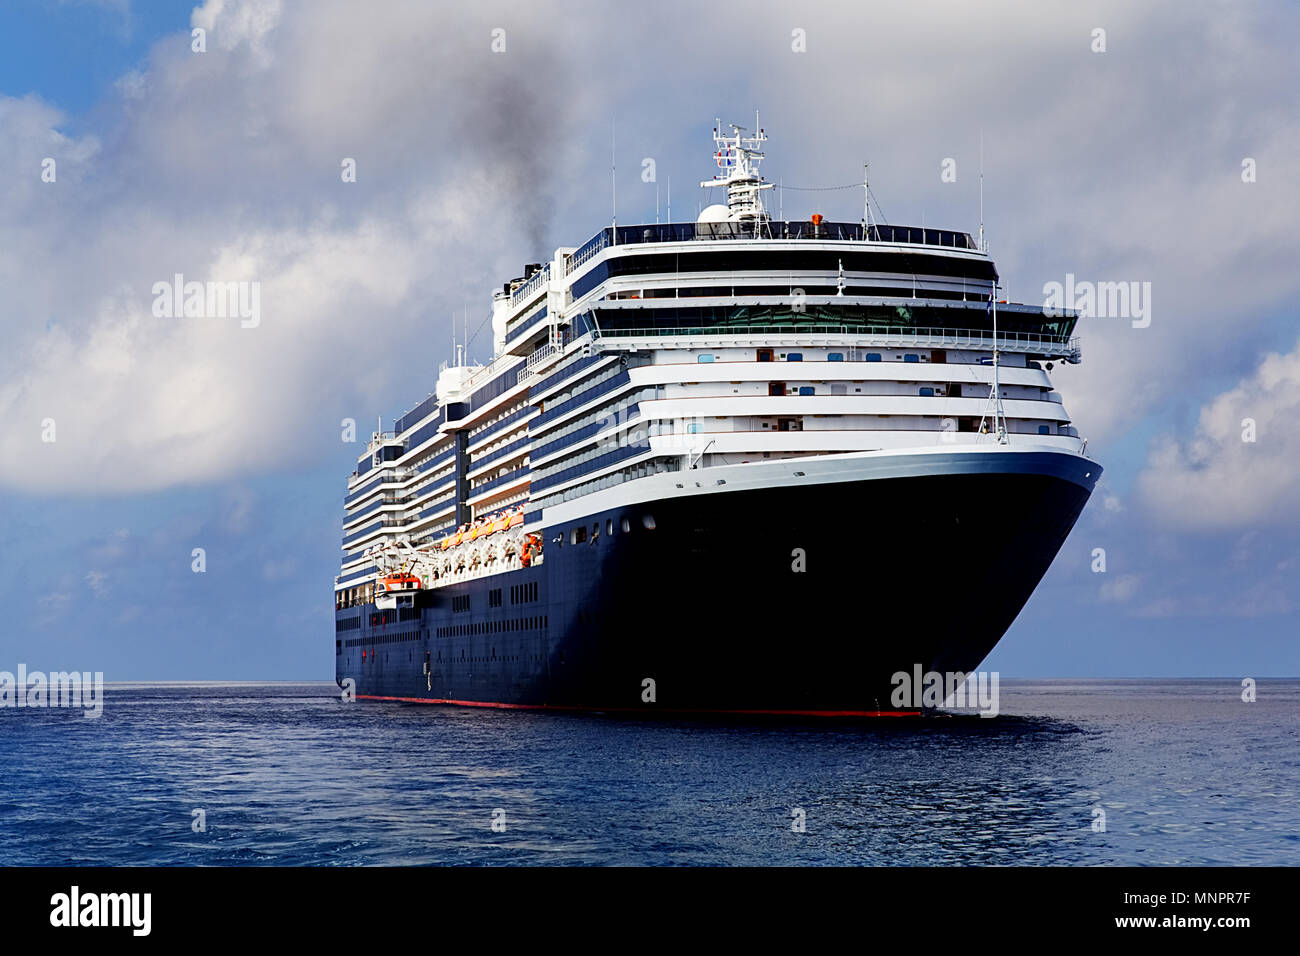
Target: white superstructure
(695, 348)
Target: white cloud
(97, 580)
(1217, 480)
(225, 165)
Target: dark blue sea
(1184, 772)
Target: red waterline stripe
(645, 710)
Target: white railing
(935, 338)
(529, 288)
(594, 246)
(541, 358)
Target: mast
(982, 249)
(739, 156)
(999, 419)
(866, 202)
(613, 188)
(995, 392)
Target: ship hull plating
(790, 599)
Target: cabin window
(807, 390)
(609, 526)
(794, 357)
(873, 356)
(578, 535)
(705, 359)
(693, 427)
(1044, 429)
(911, 357)
(648, 522)
(835, 357)
(927, 391)
(627, 526)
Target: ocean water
(1184, 771)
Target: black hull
(925, 570)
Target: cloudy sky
(1165, 150)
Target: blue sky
(1115, 165)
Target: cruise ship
(744, 464)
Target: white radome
(715, 213)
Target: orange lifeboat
(516, 518)
(397, 583)
(532, 546)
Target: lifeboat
(396, 583)
(516, 519)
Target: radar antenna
(738, 156)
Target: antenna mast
(866, 202)
(613, 187)
(995, 392)
(739, 156)
(983, 248)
